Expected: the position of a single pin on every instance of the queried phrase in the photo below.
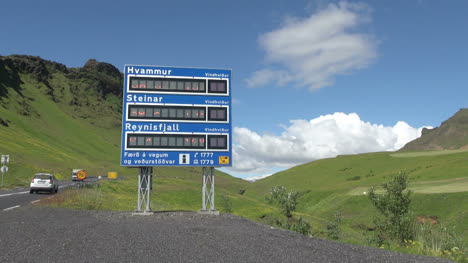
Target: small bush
(333, 227)
(226, 204)
(395, 223)
(370, 174)
(354, 178)
(286, 201)
(302, 226)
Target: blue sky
(376, 71)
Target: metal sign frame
(152, 140)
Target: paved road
(12, 199)
(41, 234)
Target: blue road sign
(176, 117)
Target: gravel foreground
(41, 234)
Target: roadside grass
(86, 198)
(173, 190)
(434, 240)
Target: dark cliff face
(36, 66)
(92, 90)
(452, 134)
(101, 67)
(103, 78)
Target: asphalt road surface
(12, 199)
(41, 234)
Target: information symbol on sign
(184, 158)
(223, 159)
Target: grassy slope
(53, 140)
(326, 186)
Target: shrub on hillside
(333, 227)
(394, 224)
(302, 226)
(286, 200)
(354, 178)
(226, 204)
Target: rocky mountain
(96, 85)
(452, 134)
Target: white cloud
(256, 178)
(312, 51)
(323, 137)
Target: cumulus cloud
(323, 137)
(256, 178)
(311, 51)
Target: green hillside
(438, 181)
(54, 119)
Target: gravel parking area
(41, 234)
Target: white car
(44, 182)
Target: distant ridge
(452, 134)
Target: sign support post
(145, 180)
(208, 192)
(5, 159)
(2, 174)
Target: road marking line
(32, 202)
(10, 208)
(18, 193)
(14, 193)
(25, 192)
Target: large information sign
(176, 117)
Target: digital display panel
(166, 141)
(177, 113)
(167, 85)
(217, 86)
(176, 141)
(217, 114)
(166, 112)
